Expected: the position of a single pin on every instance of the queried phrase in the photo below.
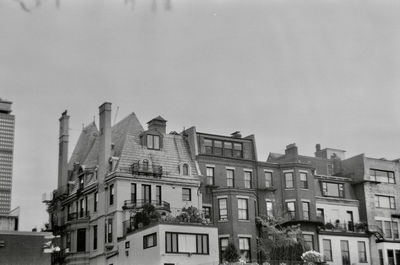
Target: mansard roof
(127, 146)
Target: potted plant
(329, 226)
(312, 257)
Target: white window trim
(242, 197)
(303, 171)
(244, 235)
(290, 200)
(287, 171)
(268, 170)
(222, 197)
(210, 165)
(224, 236)
(305, 200)
(307, 233)
(247, 170)
(207, 204)
(231, 168)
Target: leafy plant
(231, 254)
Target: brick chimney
(158, 124)
(63, 150)
(104, 140)
(291, 150)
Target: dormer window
(185, 169)
(145, 165)
(153, 142)
(81, 182)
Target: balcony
(347, 227)
(144, 169)
(138, 204)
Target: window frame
(223, 148)
(287, 181)
(221, 216)
(330, 258)
(248, 178)
(186, 197)
(210, 176)
(145, 242)
(303, 183)
(248, 239)
(362, 253)
(151, 140)
(95, 237)
(292, 216)
(324, 189)
(392, 202)
(230, 178)
(266, 180)
(390, 176)
(306, 216)
(111, 194)
(243, 213)
(197, 236)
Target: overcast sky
(304, 71)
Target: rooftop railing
(137, 204)
(143, 169)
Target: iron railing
(137, 204)
(144, 169)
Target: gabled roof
(158, 118)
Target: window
(109, 231)
(362, 252)
(217, 148)
(158, 195)
(68, 241)
(382, 176)
(228, 150)
(207, 212)
(81, 240)
(244, 248)
(146, 193)
(303, 180)
(185, 169)
(385, 202)
(388, 229)
(268, 179)
(247, 179)
(208, 146)
(81, 208)
(243, 213)
(81, 182)
(344, 247)
(330, 169)
(150, 241)
(153, 142)
(289, 180)
(223, 148)
(330, 189)
(291, 209)
(230, 177)
(133, 193)
(270, 212)
(111, 194)
(380, 257)
(210, 175)
(95, 237)
(223, 212)
(127, 244)
(306, 210)
(96, 201)
(395, 227)
(390, 255)
(327, 249)
(186, 194)
(309, 241)
(186, 243)
(223, 244)
(237, 150)
(321, 215)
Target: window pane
(149, 141)
(268, 179)
(156, 142)
(289, 180)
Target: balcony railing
(144, 169)
(77, 215)
(159, 205)
(345, 227)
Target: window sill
(223, 221)
(244, 221)
(290, 189)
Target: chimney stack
(158, 124)
(291, 150)
(317, 147)
(236, 134)
(105, 140)
(63, 150)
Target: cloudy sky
(304, 71)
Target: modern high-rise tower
(6, 155)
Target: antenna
(116, 114)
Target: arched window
(185, 169)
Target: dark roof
(85, 144)
(158, 118)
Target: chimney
(158, 124)
(291, 150)
(105, 140)
(317, 147)
(63, 150)
(236, 134)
